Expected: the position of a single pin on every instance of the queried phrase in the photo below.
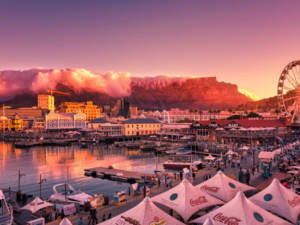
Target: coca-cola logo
(227, 220)
(231, 185)
(294, 202)
(211, 189)
(258, 217)
(173, 197)
(198, 201)
(131, 220)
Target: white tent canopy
(36, 205)
(277, 151)
(209, 222)
(230, 152)
(209, 157)
(266, 155)
(186, 199)
(278, 199)
(65, 221)
(144, 213)
(241, 211)
(244, 148)
(223, 187)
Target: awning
(65, 221)
(266, 155)
(279, 138)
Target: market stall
(120, 198)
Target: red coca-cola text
(227, 220)
(198, 201)
(211, 189)
(294, 202)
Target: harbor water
(53, 162)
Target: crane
(58, 92)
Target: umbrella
(186, 199)
(223, 187)
(36, 205)
(144, 213)
(241, 211)
(232, 129)
(65, 221)
(244, 148)
(230, 152)
(242, 129)
(278, 199)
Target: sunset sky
(247, 43)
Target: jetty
(120, 175)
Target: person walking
(169, 182)
(247, 175)
(208, 176)
(194, 177)
(103, 218)
(79, 222)
(93, 214)
(109, 216)
(241, 175)
(205, 178)
(225, 163)
(238, 162)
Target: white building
(176, 115)
(65, 120)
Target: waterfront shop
(106, 128)
(244, 131)
(141, 126)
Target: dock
(119, 175)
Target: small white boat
(179, 165)
(69, 194)
(6, 211)
(183, 151)
(171, 151)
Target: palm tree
(233, 112)
(200, 113)
(195, 110)
(214, 112)
(218, 111)
(230, 111)
(210, 112)
(246, 112)
(191, 110)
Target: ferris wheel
(288, 90)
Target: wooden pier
(119, 175)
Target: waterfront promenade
(133, 200)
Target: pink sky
(245, 43)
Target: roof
(176, 126)
(140, 120)
(99, 120)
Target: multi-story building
(54, 121)
(35, 112)
(5, 124)
(46, 102)
(141, 126)
(176, 115)
(106, 108)
(123, 108)
(91, 111)
(106, 128)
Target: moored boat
(6, 211)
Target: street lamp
(41, 181)
(20, 175)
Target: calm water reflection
(52, 163)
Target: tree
(230, 111)
(195, 110)
(210, 112)
(233, 112)
(234, 117)
(246, 112)
(252, 115)
(200, 113)
(218, 111)
(191, 110)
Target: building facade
(176, 115)
(55, 121)
(106, 128)
(141, 126)
(5, 124)
(91, 111)
(35, 112)
(133, 111)
(46, 102)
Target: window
(128, 132)
(127, 126)
(132, 126)
(132, 132)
